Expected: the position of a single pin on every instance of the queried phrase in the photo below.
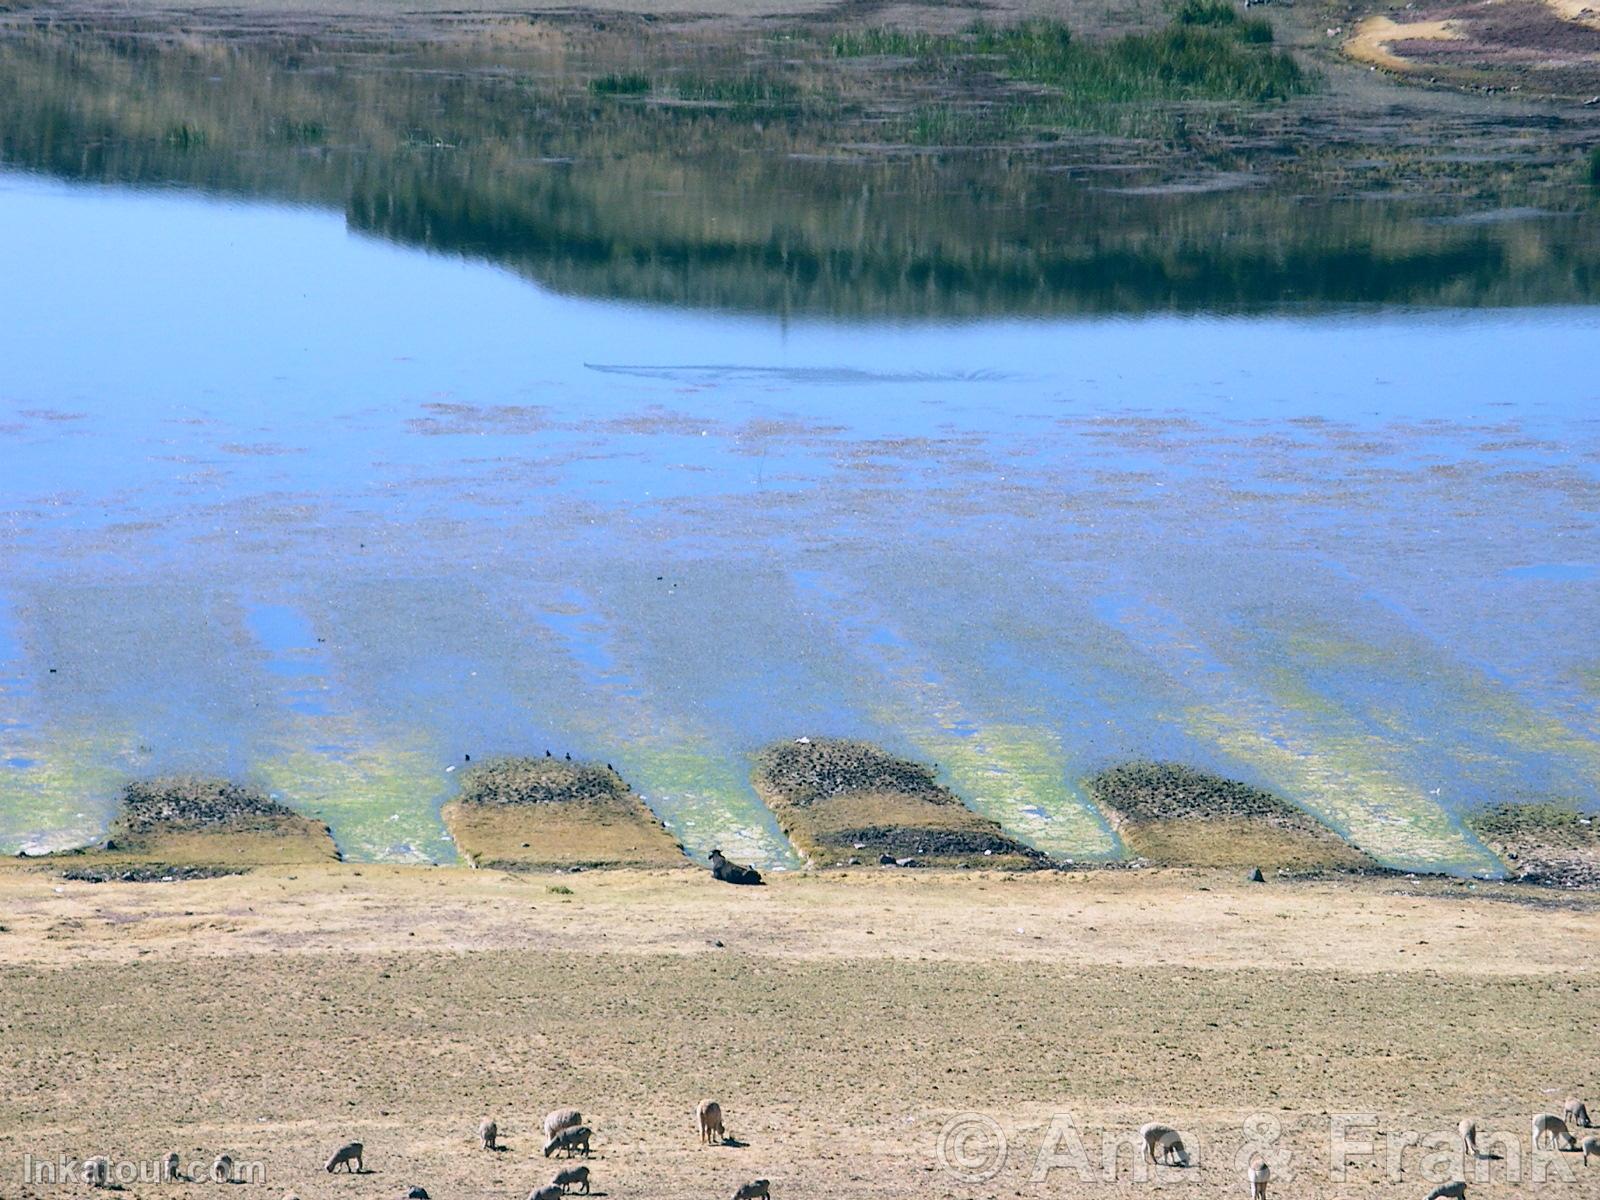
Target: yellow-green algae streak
(68, 790)
(1311, 752)
(382, 802)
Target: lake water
(288, 501)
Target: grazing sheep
(1468, 1132)
(347, 1156)
(1576, 1113)
(97, 1171)
(571, 1140)
(1548, 1125)
(488, 1131)
(1454, 1190)
(170, 1167)
(756, 1189)
(710, 1116)
(562, 1118)
(548, 1192)
(1591, 1145)
(1162, 1144)
(1257, 1176)
(577, 1177)
(222, 1169)
(731, 872)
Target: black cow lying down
(732, 872)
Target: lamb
(1257, 1176)
(731, 872)
(1591, 1145)
(572, 1177)
(756, 1189)
(97, 1171)
(548, 1192)
(171, 1167)
(347, 1156)
(1468, 1131)
(1548, 1125)
(1454, 1190)
(561, 1118)
(222, 1169)
(488, 1131)
(710, 1117)
(571, 1140)
(1162, 1144)
(1576, 1113)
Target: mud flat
(187, 827)
(838, 800)
(1175, 815)
(551, 812)
(1551, 844)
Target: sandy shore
(842, 1019)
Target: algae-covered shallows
(1338, 773)
(1014, 774)
(698, 786)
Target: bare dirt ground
(843, 1020)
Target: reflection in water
(501, 153)
(330, 514)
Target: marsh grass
(750, 90)
(630, 83)
(1594, 167)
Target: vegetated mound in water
(188, 826)
(838, 800)
(1178, 816)
(1553, 844)
(553, 812)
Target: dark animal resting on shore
(732, 872)
(756, 1189)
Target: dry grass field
(843, 1020)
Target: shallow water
(330, 461)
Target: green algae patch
(838, 799)
(1548, 843)
(182, 825)
(523, 813)
(1174, 815)
(704, 799)
(1017, 775)
(379, 800)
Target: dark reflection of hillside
(754, 211)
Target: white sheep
(756, 1189)
(1163, 1144)
(1576, 1113)
(97, 1171)
(548, 1192)
(347, 1156)
(1257, 1176)
(1591, 1145)
(561, 1118)
(1468, 1131)
(1548, 1125)
(1454, 1190)
(572, 1177)
(488, 1133)
(709, 1114)
(171, 1167)
(222, 1169)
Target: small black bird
(569, 756)
(469, 757)
(547, 754)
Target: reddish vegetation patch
(1549, 52)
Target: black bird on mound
(732, 872)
